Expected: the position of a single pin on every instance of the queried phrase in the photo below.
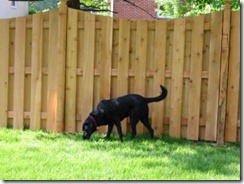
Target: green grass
(29, 155)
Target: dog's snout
(85, 135)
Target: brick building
(134, 9)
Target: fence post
(224, 73)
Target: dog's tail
(160, 97)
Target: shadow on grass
(192, 156)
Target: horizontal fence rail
(56, 66)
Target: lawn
(40, 155)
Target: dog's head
(89, 127)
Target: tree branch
(75, 4)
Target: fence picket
(71, 67)
(177, 78)
(61, 57)
(140, 62)
(56, 69)
(4, 62)
(105, 67)
(123, 62)
(19, 70)
(233, 81)
(88, 66)
(195, 78)
(36, 72)
(159, 75)
(52, 64)
(213, 79)
(223, 74)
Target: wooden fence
(56, 66)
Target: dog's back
(119, 108)
(124, 106)
(132, 100)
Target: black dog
(112, 112)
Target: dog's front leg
(118, 125)
(110, 128)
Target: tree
(182, 8)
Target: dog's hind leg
(145, 122)
(134, 120)
(110, 127)
(133, 133)
(118, 125)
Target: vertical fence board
(71, 67)
(233, 81)
(36, 72)
(52, 65)
(159, 74)
(19, 72)
(123, 62)
(195, 78)
(11, 74)
(213, 79)
(105, 68)
(80, 59)
(88, 67)
(4, 62)
(27, 78)
(132, 57)
(177, 78)
(61, 56)
(45, 59)
(140, 62)
(223, 74)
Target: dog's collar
(94, 121)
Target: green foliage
(45, 5)
(32, 11)
(179, 8)
(97, 5)
(40, 6)
(101, 4)
(40, 155)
